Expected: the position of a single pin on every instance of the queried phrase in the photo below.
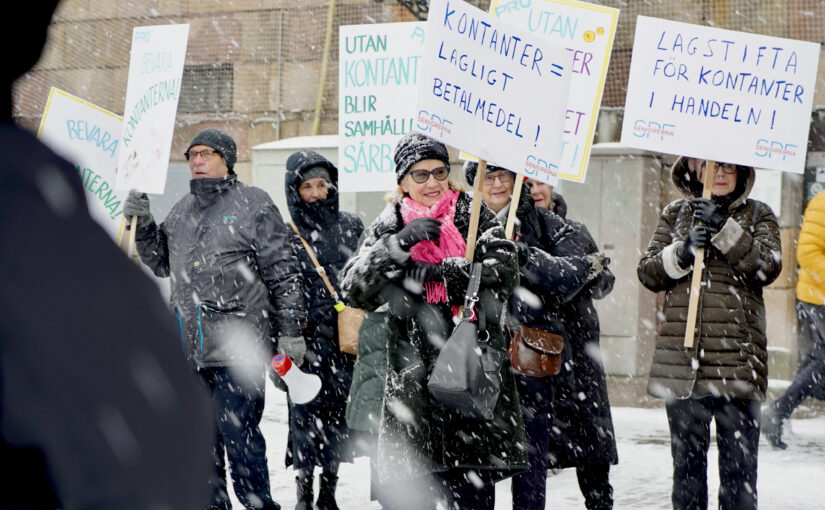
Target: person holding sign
(317, 431)
(580, 422)
(235, 284)
(412, 262)
(552, 271)
(724, 375)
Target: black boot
(772, 428)
(304, 484)
(326, 495)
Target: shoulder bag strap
(318, 267)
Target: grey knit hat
(416, 147)
(221, 142)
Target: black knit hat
(471, 168)
(416, 147)
(221, 142)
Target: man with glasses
(235, 283)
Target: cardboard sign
(378, 74)
(586, 31)
(88, 136)
(493, 90)
(721, 95)
(155, 73)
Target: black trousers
(529, 489)
(737, 437)
(595, 486)
(809, 380)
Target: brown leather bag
(534, 352)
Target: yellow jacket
(810, 253)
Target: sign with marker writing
(717, 94)
(155, 73)
(493, 90)
(88, 136)
(586, 31)
(378, 74)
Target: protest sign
(379, 66)
(494, 90)
(586, 31)
(720, 95)
(155, 72)
(88, 136)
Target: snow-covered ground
(791, 479)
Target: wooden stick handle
(475, 210)
(132, 251)
(698, 265)
(511, 214)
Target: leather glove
(293, 346)
(598, 261)
(420, 229)
(424, 272)
(523, 252)
(699, 236)
(708, 213)
(137, 204)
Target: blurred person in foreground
(809, 380)
(235, 286)
(318, 434)
(98, 409)
(581, 426)
(552, 271)
(724, 376)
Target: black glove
(708, 213)
(424, 272)
(421, 229)
(523, 252)
(137, 204)
(698, 237)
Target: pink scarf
(450, 244)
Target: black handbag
(466, 376)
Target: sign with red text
(721, 95)
(88, 136)
(152, 92)
(586, 31)
(493, 90)
(378, 70)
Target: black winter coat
(416, 436)
(226, 250)
(98, 407)
(333, 236)
(581, 427)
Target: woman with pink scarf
(411, 263)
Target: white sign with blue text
(378, 72)
(720, 95)
(493, 90)
(152, 92)
(88, 136)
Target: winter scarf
(450, 244)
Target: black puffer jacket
(234, 275)
(333, 236)
(730, 356)
(581, 426)
(417, 436)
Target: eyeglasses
(422, 176)
(204, 154)
(504, 176)
(728, 168)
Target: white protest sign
(88, 136)
(379, 66)
(155, 72)
(720, 95)
(586, 31)
(493, 90)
